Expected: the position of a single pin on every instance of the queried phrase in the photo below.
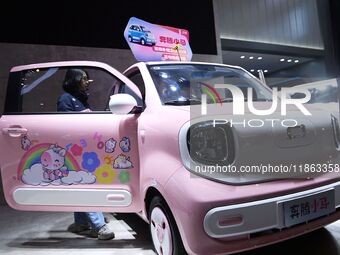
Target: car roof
(188, 62)
(150, 63)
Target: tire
(164, 232)
(142, 41)
(130, 39)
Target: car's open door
(68, 161)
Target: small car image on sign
(153, 42)
(141, 34)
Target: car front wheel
(142, 41)
(164, 232)
(130, 39)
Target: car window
(137, 79)
(38, 90)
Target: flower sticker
(105, 174)
(90, 161)
(124, 176)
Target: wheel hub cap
(160, 232)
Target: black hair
(72, 80)
(71, 84)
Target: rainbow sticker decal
(59, 168)
(33, 156)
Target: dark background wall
(334, 10)
(301, 30)
(328, 11)
(102, 23)
(326, 63)
(304, 73)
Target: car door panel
(70, 161)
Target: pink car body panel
(78, 131)
(198, 196)
(157, 164)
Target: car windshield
(183, 84)
(319, 94)
(144, 29)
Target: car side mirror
(122, 103)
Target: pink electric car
(206, 181)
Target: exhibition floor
(45, 233)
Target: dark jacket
(69, 103)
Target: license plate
(308, 208)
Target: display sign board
(150, 42)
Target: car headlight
(336, 131)
(211, 143)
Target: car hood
(260, 143)
(226, 109)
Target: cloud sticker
(80, 177)
(34, 176)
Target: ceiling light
(259, 70)
(252, 70)
(289, 60)
(251, 57)
(265, 71)
(296, 61)
(243, 56)
(164, 75)
(282, 59)
(259, 58)
(173, 88)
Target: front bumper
(201, 202)
(257, 216)
(150, 41)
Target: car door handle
(14, 131)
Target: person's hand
(86, 110)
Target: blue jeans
(96, 219)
